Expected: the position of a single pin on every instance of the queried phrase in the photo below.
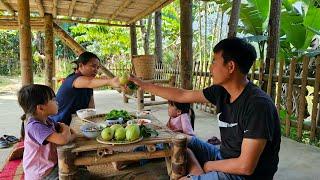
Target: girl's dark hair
(184, 108)
(30, 96)
(84, 58)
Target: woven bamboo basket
(144, 66)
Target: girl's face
(90, 69)
(173, 111)
(51, 108)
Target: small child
(41, 134)
(181, 118)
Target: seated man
(247, 118)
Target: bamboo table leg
(67, 169)
(179, 159)
(168, 160)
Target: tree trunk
(234, 18)
(25, 42)
(158, 36)
(133, 38)
(186, 43)
(273, 39)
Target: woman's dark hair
(184, 108)
(84, 58)
(239, 51)
(30, 96)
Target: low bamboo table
(87, 152)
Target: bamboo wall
(296, 87)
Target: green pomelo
(124, 79)
(120, 134)
(107, 134)
(133, 132)
(115, 127)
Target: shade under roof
(126, 11)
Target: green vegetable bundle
(116, 114)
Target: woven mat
(155, 170)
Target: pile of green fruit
(118, 133)
(116, 114)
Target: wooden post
(179, 159)
(289, 96)
(234, 18)
(140, 98)
(158, 36)
(302, 98)
(49, 53)
(133, 42)
(186, 43)
(25, 42)
(315, 101)
(67, 169)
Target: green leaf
(312, 23)
(292, 25)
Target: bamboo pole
(289, 95)
(271, 68)
(25, 42)
(67, 168)
(186, 34)
(302, 98)
(315, 101)
(178, 159)
(253, 69)
(49, 53)
(278, 103)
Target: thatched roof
(126, 11)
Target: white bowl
(83, 113)
(91, 130)
(110, 122)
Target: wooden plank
(315, 101)
(95, 23)
(25, 42)
(93, 160)
(125, 4)
(289, 96)
(156, 6)
(11, 24)
(302, 98)
(8, 7)
(40, 8)
(93, 8)
(71, 8)
(55, 8)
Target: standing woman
(76, 92)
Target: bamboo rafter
(55, 8)
(93, 9)
(7, 6)
(71, 8)
(120, 9)
(40, 7)
(158, 5)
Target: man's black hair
(237, 50)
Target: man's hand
(136, 80)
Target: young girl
(181, 118)
(41, 134)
